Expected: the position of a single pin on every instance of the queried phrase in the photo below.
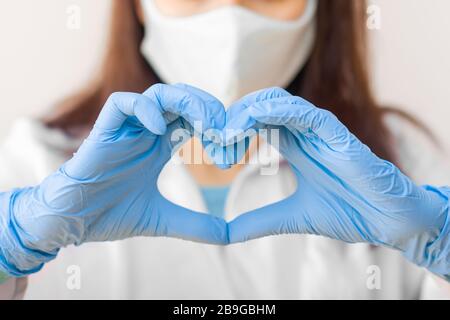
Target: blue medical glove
(108, 190)
(344, 191)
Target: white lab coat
(282, 267)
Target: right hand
(345, 191)
(108, 190)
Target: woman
(326, 65)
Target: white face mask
(228, 52)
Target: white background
(41, 60)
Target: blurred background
(44, 56)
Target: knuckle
(279, 92)
(115, 96)
(278, 89)
(155, 91)
(114, 99)
(156, 88)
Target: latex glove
(345, 191)
(108, 190)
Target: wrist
(431, 249)
(17, 255)
(439, 251)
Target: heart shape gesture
(108, 190)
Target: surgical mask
(228, 52)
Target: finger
(182, 223)
(218, 154)
(275, 219)
(258, 96)
(326, 141)
(180, 132)
(302, 115)
(202, 114)
(121, 105)
(212, 102)
(239, 119)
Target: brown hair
(336, 76)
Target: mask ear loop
(310, 11)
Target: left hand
(108, 190)
(344, 191)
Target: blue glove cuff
(16, 259)
(436, 253)
(439, 250)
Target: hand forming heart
(108, 190)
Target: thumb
(177, 222)
(275, 219)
